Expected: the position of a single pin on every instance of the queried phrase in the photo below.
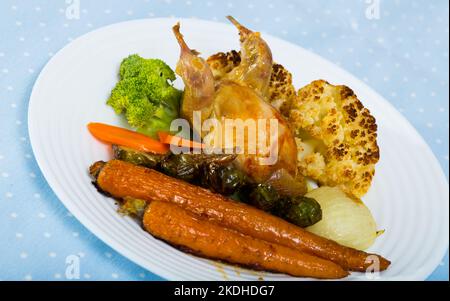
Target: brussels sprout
(136, 157)
(301, 211)
(223, 179)
(184, 167)
(264, 197)
(189, 167)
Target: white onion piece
(344, 220)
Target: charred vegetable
(183, 167)
(223, 179)
(136, 157)
(301, 211)
(264, 197)
(132, 207)
(192, 167)
(286, 184)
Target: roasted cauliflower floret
(337, 137)
(222, 63)
(281, 91)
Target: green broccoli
(145, 94)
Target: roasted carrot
(178, 141)
(121, 179)
(178, 227)
(120, 136)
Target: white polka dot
(41, 215)
(9, 195)
(87, 276)
(57, 276)
(19, 235)
(23, 255)
(107, 254)
(37, 8)
(429, 125)
(21, 39)
(13, 105)
(107, 11)
(5, 71)
(13, 215)
(142, 275)
(28, 156)
(413, 95)
(18, 23)
(114, 275)
(5, 174)
(75, 234)
(37, 196)
(438, 141)
(28, 277)
(42, 24)
(129, 12)
(2, 54)
(14, 7)
(52, 254)
(47, 235)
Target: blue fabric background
(403, 55)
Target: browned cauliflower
(281, 92)
(337, 137)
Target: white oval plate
(409, 196)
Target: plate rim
(162, 272)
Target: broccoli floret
(145, 94)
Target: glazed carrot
(178, 141)
(121, 179)
(178, 227)
(120, 136)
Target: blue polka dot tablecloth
(399, 47)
